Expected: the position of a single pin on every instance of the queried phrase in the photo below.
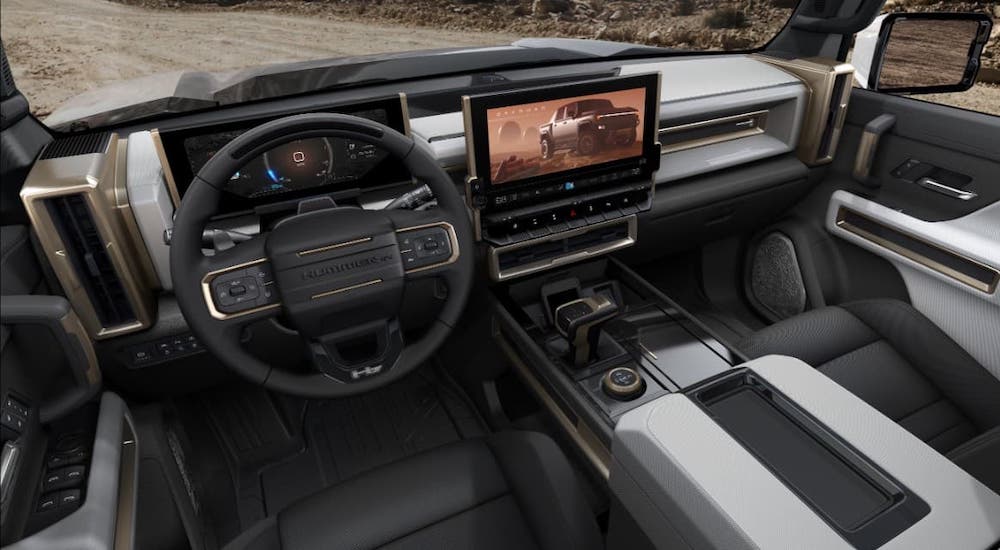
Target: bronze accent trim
(645, 350)
(595, 452)
(405, 108)
(96, 178)
(127, 488)
(757, 119)
(206, 291)
(329, 247)
(865, 156)
(372, 282)
(168, 175)
(494, 252)
(470, 155)
(452, 237)
(819, 76)
(915, 256)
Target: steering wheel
(337, 275)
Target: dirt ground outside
(61, 48)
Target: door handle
(946, 190)
(865, 157)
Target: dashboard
(709, 156)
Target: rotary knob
(623, 383)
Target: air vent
(834, 122)
(87, 254)
(508, 262)
(84, 144)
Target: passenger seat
(890, 355)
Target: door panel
(953, 237)
(938, 283)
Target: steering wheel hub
(340, 277)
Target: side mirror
(921, 53)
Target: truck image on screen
(588, 125)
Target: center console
(704, 449)
(558, 174)
(777, 455)
(596, 341)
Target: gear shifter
(580, 322)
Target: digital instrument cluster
(295, 169)
(295, 166)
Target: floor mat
(279, 449)
(349, 436)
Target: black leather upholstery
(897, 360)
(510, 490)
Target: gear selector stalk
(579, 321)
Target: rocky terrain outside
(60, 48)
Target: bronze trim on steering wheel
(333, 246)
(206, 290)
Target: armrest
(107, 518)
(685, 478)
(56, 314)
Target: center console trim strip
(596, 453)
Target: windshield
(60, 49)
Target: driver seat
(508, 490)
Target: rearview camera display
(545, 137)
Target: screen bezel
(386, 173)
(477, 133)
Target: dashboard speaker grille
(87, 254)
(85, 144)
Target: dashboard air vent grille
(87, 254)
(76, 145)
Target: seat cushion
(510, 490)
(897, 360)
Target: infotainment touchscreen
(530, 144)
(545, 137)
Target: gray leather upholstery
(897, 360)
(510, 490)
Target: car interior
(597, 296)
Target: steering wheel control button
(236, 291)
(424, 247)
(623, 383)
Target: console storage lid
(691, 480)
